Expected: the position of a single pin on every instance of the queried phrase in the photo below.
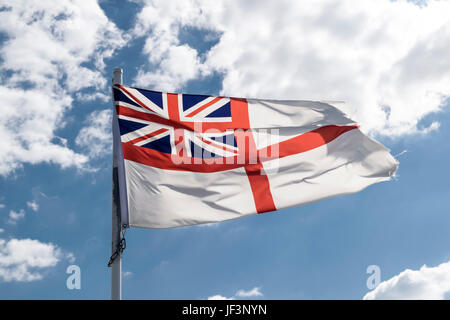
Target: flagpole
(116, 266)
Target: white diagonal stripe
(134, 119)
(130, 106)
(152, 106)
(158, 136)
(152, 127)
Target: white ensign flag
(192, 159)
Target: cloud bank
(388, 60)
(50, 51)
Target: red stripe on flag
(172, 106)
(174, 115)
(259, 183)
(304, 142)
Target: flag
(192, 159)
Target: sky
(388, 60)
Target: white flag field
(192, 159)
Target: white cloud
(255, 292)
(388, 60)
(96, 136)
(28, 136)
(14, 216)
(52, 51)
(172, 63)
(33, 205)
(2, 230)
(25, 259)
(423, 284)
(178, 65)
(2, 205)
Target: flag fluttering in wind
(191, 159)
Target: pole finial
(117, 76)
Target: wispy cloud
(96, 136)
(70, 257)
(255, 292)
(208, 225)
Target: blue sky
(62, 169)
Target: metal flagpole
(116, 258)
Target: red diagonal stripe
(193, 113)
